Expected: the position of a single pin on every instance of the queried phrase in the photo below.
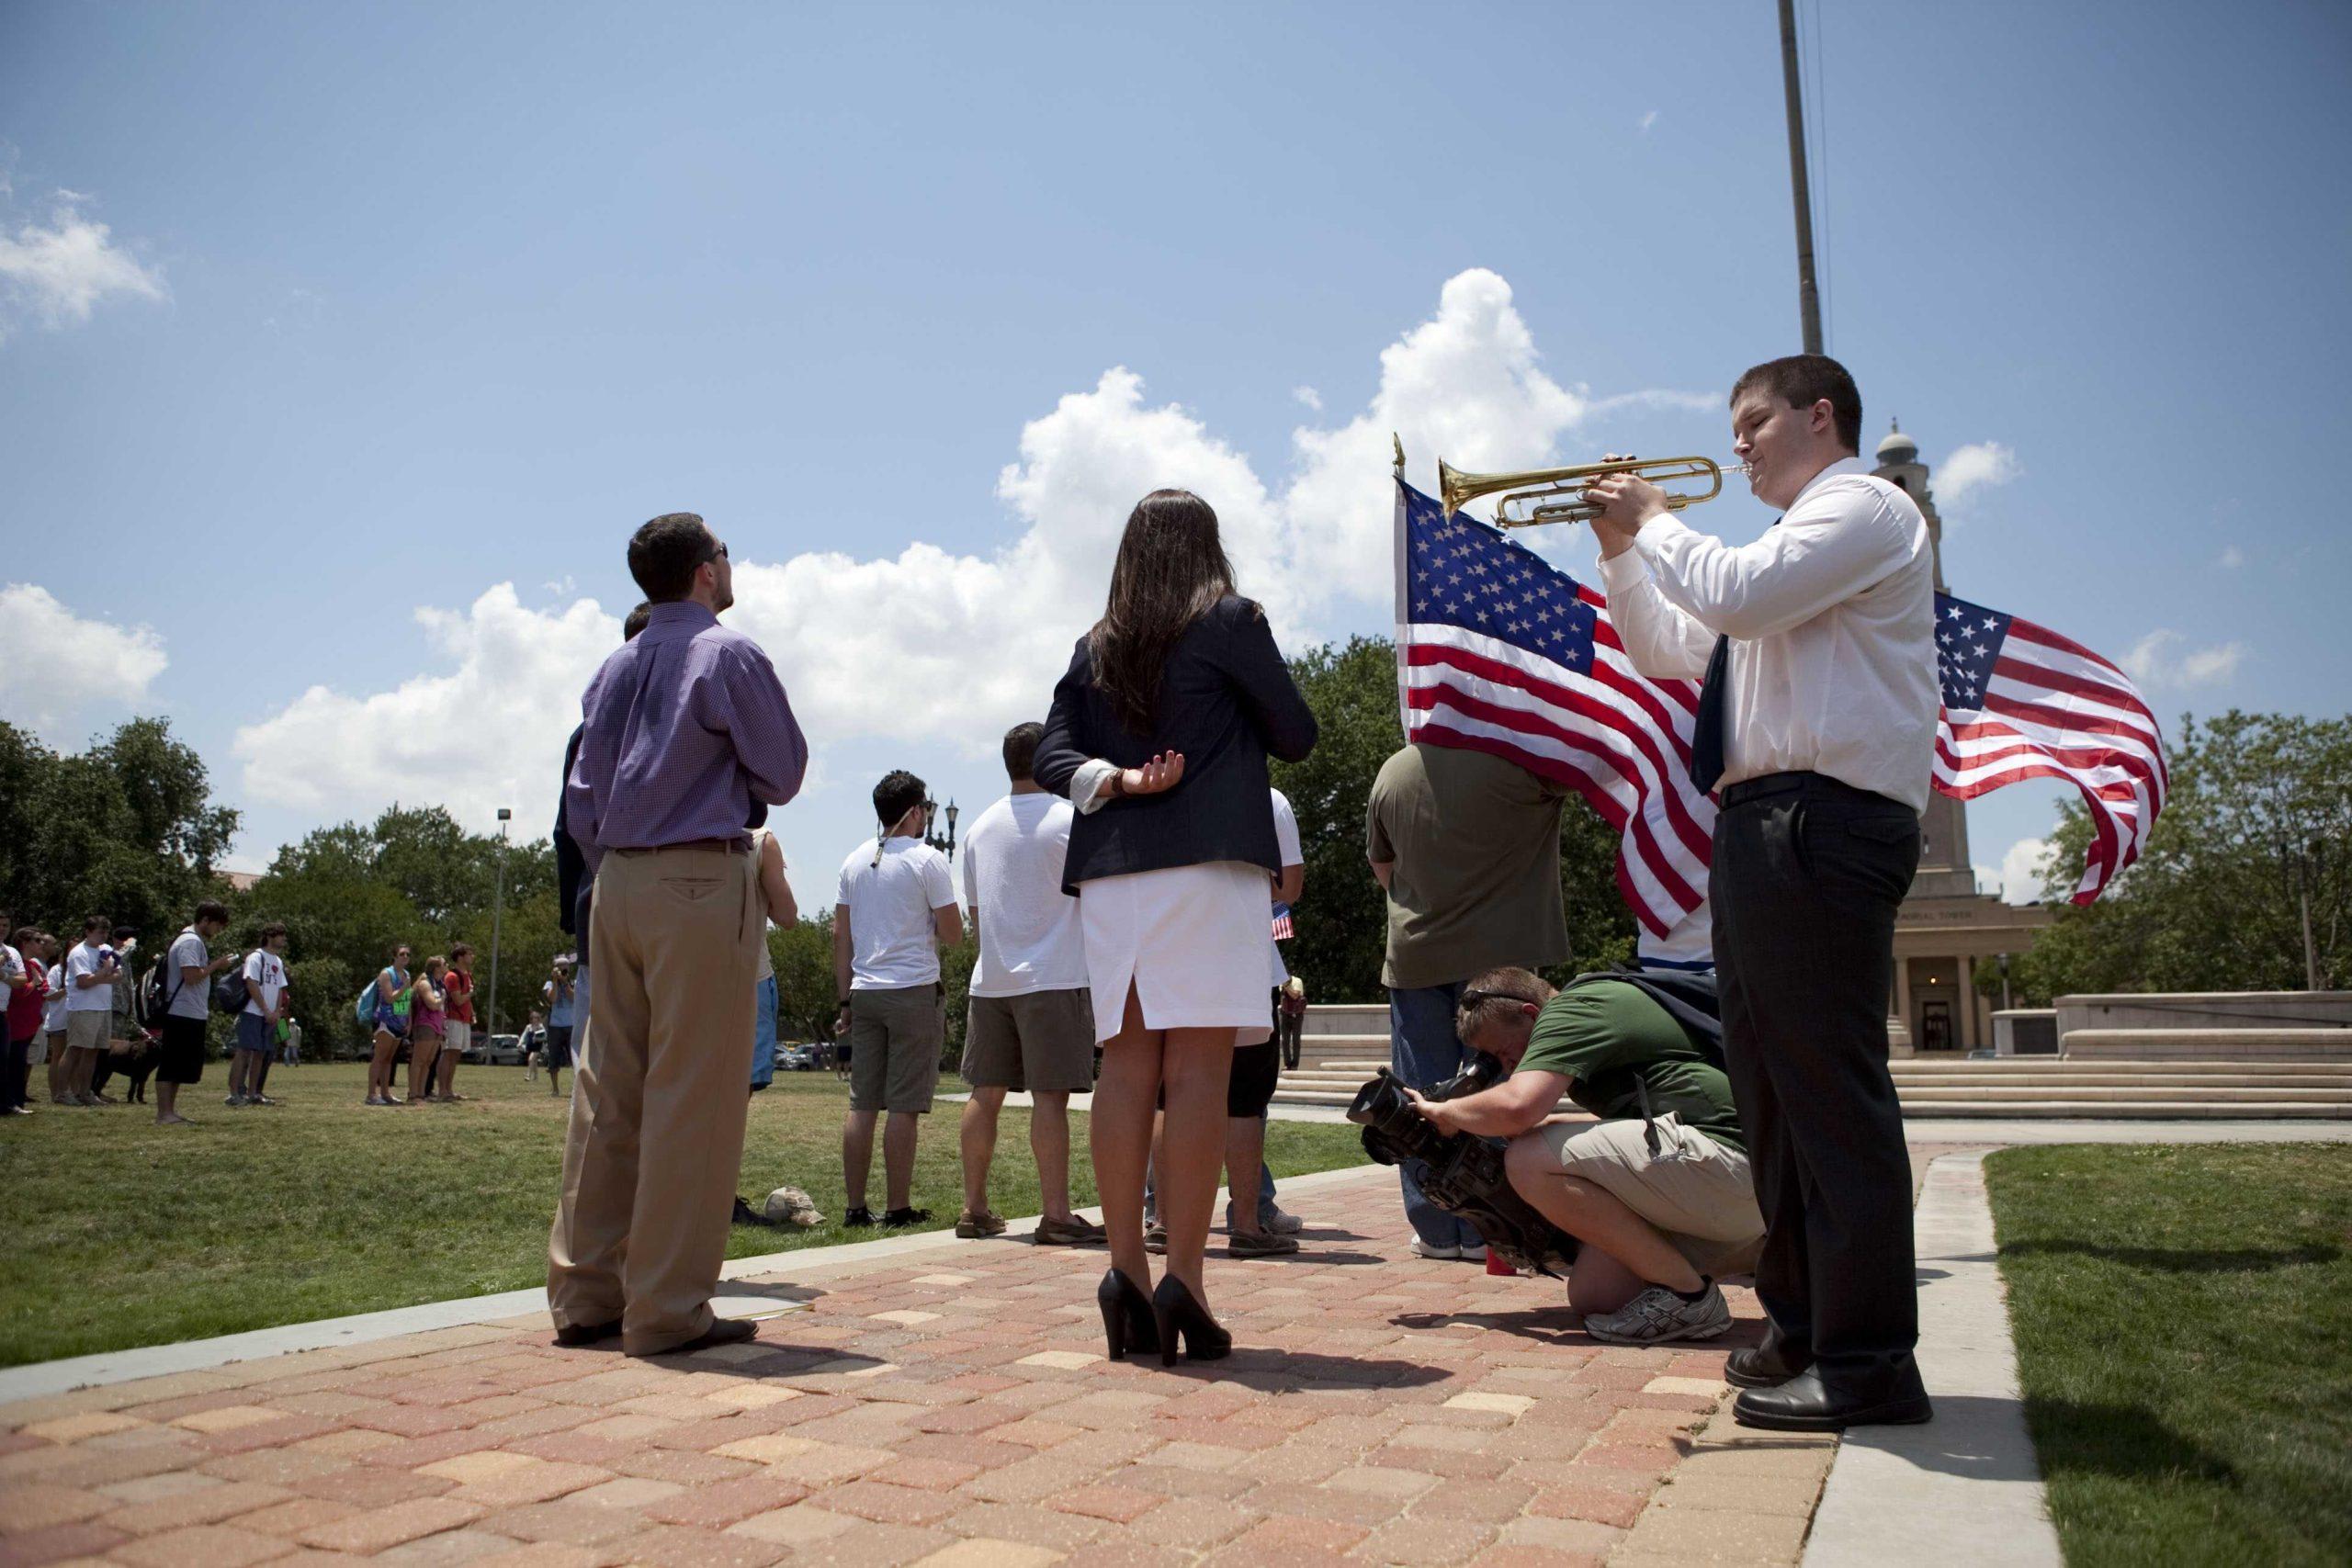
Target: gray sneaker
(1282, 1221)
(1659, 1316)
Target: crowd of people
(93, 1012)
(1125, 898)
(1122, 897)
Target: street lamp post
(929, 813)
(498, 916)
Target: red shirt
(25, 1001)
(459, 988)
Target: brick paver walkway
(951, 1407)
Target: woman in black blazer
(1158, 735)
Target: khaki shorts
(895, 1038)
(1043, 1040)
(1694, 1190)
(460, 1035)
(88, 1031)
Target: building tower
(1945, 869)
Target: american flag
(2022, 701)
(1283, 929)
(1499, 652)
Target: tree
(349, 894)
(126, 830)
(803, 956)
(1343, 918)
(2259, 814)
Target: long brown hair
(1172, 571)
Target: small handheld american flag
(1499, 652)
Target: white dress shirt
(1831, 616)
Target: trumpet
(1538, 496)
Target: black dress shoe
(722, 1331)
(1802, 1405)
(1762, 1366)
(572, 1336)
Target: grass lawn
(2183, 1317)
(122, 1233)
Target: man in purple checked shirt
(682, 730)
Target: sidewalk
(946, 1402)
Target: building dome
(1897, 447)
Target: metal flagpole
(1808, 296)
(497, 917)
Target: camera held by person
(1465, 1175)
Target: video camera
(1465, 1175)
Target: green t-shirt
(1475, 844)
(1610, 1037)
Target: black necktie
(1707, 732)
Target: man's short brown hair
(1020, 749)
(1487, 998)
(1802, 381)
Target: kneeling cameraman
(1658, 1192)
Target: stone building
(1947, 929)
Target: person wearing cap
(683, 730)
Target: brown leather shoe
(1072, 1232)
(980, 1226)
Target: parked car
(801, 1059)
(504, 1051)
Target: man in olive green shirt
(1659, 1191)
(1467, 845)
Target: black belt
(1805, 780)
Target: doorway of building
(1935, 1026)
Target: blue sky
(343, 345)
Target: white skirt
(1193, 940)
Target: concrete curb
(810, 1265)
(1966, 1488)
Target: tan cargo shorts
(1694, 1190)
(1042, 1041)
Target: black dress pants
(1807, 874)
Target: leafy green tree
(2259, 814)
(1342, 918)
(126, 830)
(349, 894)
(803, 956)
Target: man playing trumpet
(1817, 726)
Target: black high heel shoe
(1129, 1323)
(1180, 1312)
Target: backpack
(229, 993)
(154, 997)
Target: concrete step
(2069, 1108)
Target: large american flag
(1499, 652)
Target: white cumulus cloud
(484, 731)
(59, 664)
(2164, 659)
(934, 651)
(56, 272)
(1308, 396)
(2019, 873)
(1979, 465)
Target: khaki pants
(656, 1137)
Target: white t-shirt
(84, 960)
(188, 952)
(265, 969)
(12, 963)
(1286, 851)
(53, 1011)
(1030, 936)
(892, 930)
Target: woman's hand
(1154, 777)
